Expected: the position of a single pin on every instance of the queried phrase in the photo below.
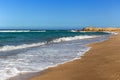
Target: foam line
(21, 31)
(12, 47)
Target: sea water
(35, 50)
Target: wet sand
(101, 62)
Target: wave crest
(9, 48)
(12, 47)
(72, 38)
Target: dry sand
(102, 62)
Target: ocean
(24, 51)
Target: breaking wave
(13, 47)
(72, 38)
(9, 47)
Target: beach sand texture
(101, 62)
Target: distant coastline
(100, 29)
(97, 29)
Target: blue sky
(58, 14)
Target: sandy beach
(101, 62)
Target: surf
(62, 39)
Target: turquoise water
(34, 50)
(30, 36)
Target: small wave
(114, 33)
(22, 31)
(39, 31)
(12, 47)
(14, 30)
(73, 31)
(9, 48)
(72, 38)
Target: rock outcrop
(100, 29)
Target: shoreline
(29, 75)
(60, 71)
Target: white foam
(7, 73)
(9, 48)
(72, 38)
(21, 31)
(39, 31)
(73, 31)
(12, 47)
(114, 33)
(14, 30)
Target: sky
(58, 14)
